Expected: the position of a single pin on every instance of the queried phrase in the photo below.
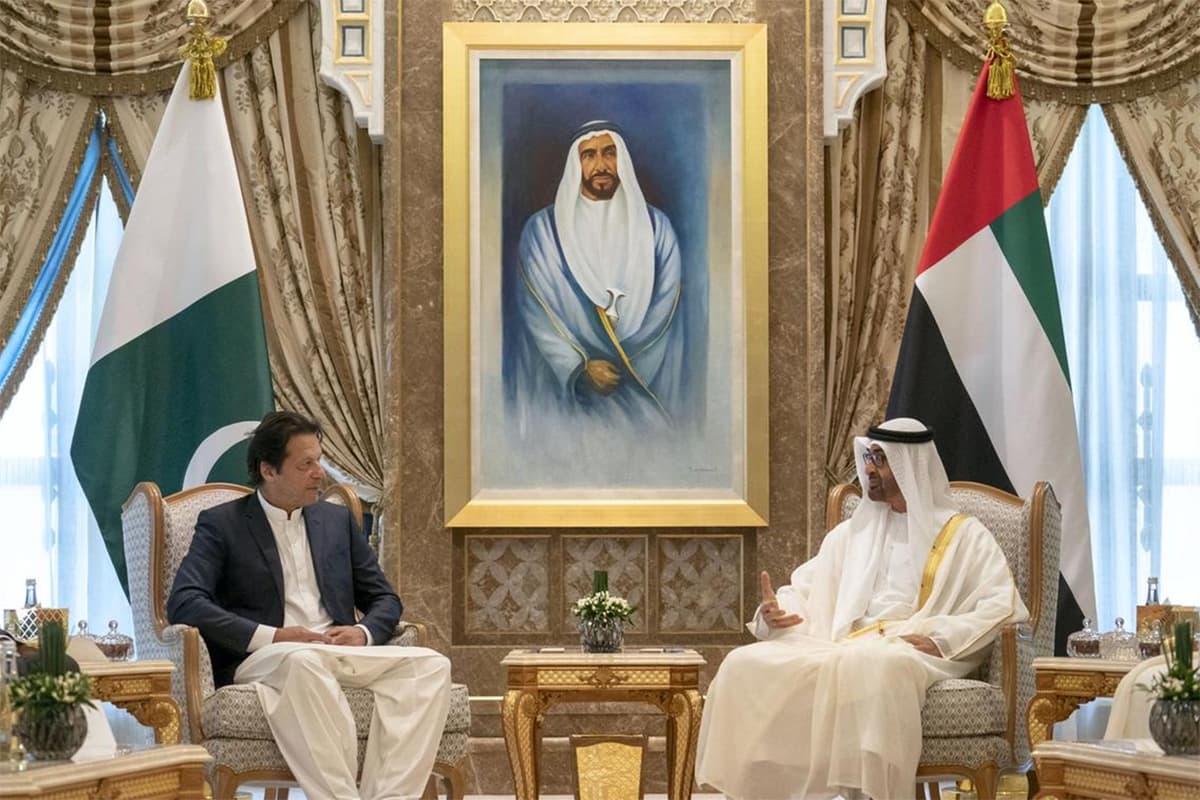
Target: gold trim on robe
(936, 553)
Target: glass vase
(601, 635)
(52, 734)
(1175, 726)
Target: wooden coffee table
(157, 773)
(1064, 684)
(1077, 770)
(537, 680)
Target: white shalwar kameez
(833, 705)
(300, 688)
(299, 685)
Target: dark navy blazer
(231, 580)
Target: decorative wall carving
(855, 57)
(604, 10)
(352, 57)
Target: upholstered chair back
(158, 532)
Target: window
(1135, 372)
(49, 527)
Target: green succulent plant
(49, 684)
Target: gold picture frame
(694, 104)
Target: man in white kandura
(272, 580)
(598, 342)
(905, 593)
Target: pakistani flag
(179, 371)
(982, 359)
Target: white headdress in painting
(608, 244)
(918, 470)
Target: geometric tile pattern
(507, 584)
(623, 557)
(700, 584)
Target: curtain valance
(1077, 51)
(121, 47)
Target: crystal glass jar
(116, 646)
(1119, 644)
(1150, 641)
(82, 632)
(1084, 643)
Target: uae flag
(179, 371)
(982, 359)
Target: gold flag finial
(999, 54)
(200, 49)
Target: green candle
(599, 581)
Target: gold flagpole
(201, 48)
(999, 54)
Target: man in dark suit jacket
(272, 580)
(234, 552)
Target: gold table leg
(159, 712)
(520, 719)
(1045, 709)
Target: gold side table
(1078, 770)
(1064, 684)
(539, 680)
(143, 688)
(158, 773)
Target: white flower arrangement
(602, 607)
(1182, 678)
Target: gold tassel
(1000, 78)
(200, 49)
(1001, 82)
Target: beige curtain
(1159, 136)
(883, 177)
(307, 175)
(878, 196)
(1082, 51)
(43, 135)
(121, 47)
(132, 122)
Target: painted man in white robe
(599, 345)
(904, 593)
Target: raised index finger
(768, 594)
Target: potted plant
(1175, 715)
(602, 617)
(49, 701)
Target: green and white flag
(179, 371)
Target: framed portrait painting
(605, 228)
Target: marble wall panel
(507, 584)
(700, 584)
